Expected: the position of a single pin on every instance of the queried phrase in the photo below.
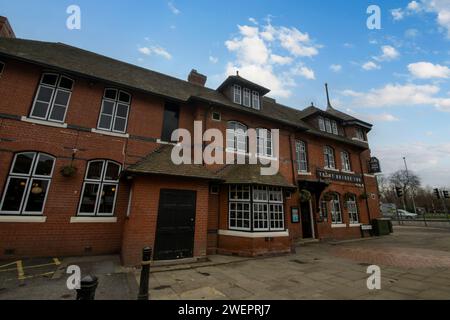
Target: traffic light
(399, 192)
(437, 193)
(446, 194)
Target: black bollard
(88, 286)
(145, 273)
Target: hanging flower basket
(305, 195)
(69, 171)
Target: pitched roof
(239, 80)
(333, 112)
(251, 174)
(159, 162)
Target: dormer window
(360, 134)
(237, 94)
(255, 99)
(328, 125)
(247, 98)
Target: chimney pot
(5, 28)
(197, 78)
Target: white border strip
(242, 234)
(22, 219)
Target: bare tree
(408, 181)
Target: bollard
(145, 273)
(88, 286)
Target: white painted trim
(369, 175)
(242, 234)
(304, 173)
(331, 169)
(357, 139)
(355, 225)
(349, 172)
(22, 219)
(338, 225)
(93, 219)
(44, 122)
(109, 133)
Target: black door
(305, 212)
(176, 225)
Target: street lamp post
(412, 188)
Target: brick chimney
(5, 28)
(197, 78)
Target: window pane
(40, 109)
(108, 107)
(124, 97)
(119, 124)
(14, 194)
(50, 79)
(89, 197)
(122, 110)
(105, 122)
(44, 166)
(45, 94)
(66, 83)
(23, 163)
(107, 199)
(112, 172)
(111, 94)
(170, 123)
(58, 113)
(36, 196)
(62, 97)
(95, 170)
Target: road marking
(56, 261)
(20, 273)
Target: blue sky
(396, 77)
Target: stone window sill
(44, 123)
(339, 225)
(243, 234)
(22, 219)
(112, 134)
(93, 220)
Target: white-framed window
(334, 127)
(352, 208)
(237, 94)
(336, 212)
(264, 142)
(263, 211)
(114, 112)
(247, 98)
(346, 164)
(236, 137)
(255, 100)
(323, 207)
(28, 183)
(52, 98)
(301, 156)
(2, 67)
(216, 116)
(360, 134)
(328, 125)
(328, 153)
(321, 124)
(98, 196)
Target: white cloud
(253, 20)
(413, 6)
(411, 33)
(336, 67)
(388, 53)
(155, 50)
(370, 65)
(263, 54)
(397, 14)
(173, 8)
(213, 59)
(427, 70)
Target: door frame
(313, 224)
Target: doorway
(306, 216)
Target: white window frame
(330, 161)
(240, 189)
(101, 182)
(237, 137)
(360, 134)
(328, 126)
(336, 201)
(247, 98)
(237, 94)
(321, 124)
(346, 163)
(51, 104)
(334, 127)
(114, 115)
(256, 102)
(29, 177)
(323, 205)
(301, 155)
(264, 140)
(353, 212)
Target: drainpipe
(365, 188)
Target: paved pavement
(414, 262)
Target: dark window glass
(14, 194)
(36, 195)
(119, 124)
(58, 113)
(108, 107)
(44, 166)
(112, 172)
(66, 83)
(45, 94)
(170, 123)
(124, 97)
(95, 170)
(23, 163)
(105, 121)
(107, 199)
(50, 79)
(40, 109)
(89, 198)
(122, 110)
(111, 94)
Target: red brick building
(85, 166)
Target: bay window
(98, 196)
(27, 185)
(114, 111)
(52, 98)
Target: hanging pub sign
(339, 176)
(374, 165)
